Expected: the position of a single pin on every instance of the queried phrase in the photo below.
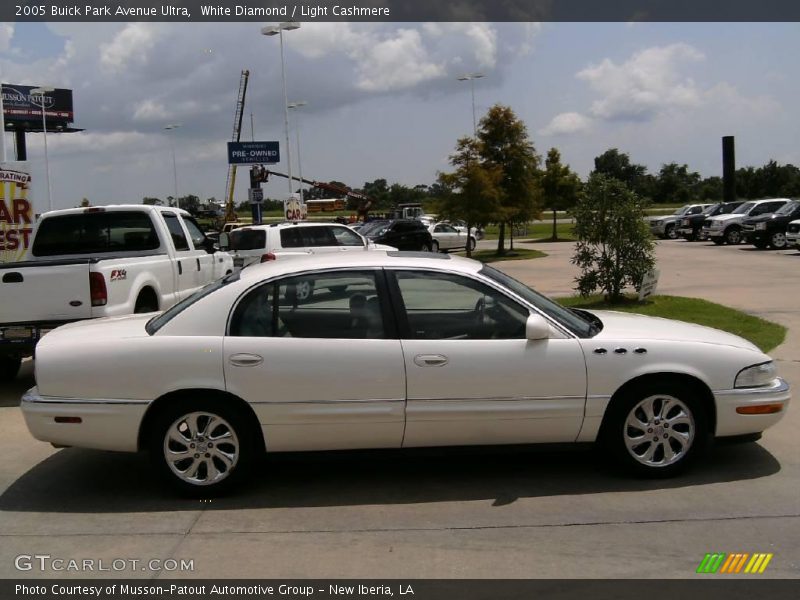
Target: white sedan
(391, 350)
(448, 237)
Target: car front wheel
(778, 240)
(434, 246)
(733, 236)
(671, 233)
(656, 430)
(202, 447)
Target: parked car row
(768, 223)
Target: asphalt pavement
(510, 513)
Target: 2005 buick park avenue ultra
(391, 350)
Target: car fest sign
(16, 211)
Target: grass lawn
(489, 256)
(764, 334)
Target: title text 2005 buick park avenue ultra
(391, 350)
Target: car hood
(619, 325)
(94, 329)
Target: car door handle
(246, 360)
(430, 360)
(198, 263)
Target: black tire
(733, 236)
(9, 367)
(619, 438)
(243, 445)
(426, 247)
(778, 240)
(670, 232)
(434, 246)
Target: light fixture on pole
(294, 106)
(173, 127)
(471, 77)
(41, 91)
(278, 30)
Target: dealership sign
(21, 104)
(16, 212)
(253, 153)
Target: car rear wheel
(434, 246)
(656, 430)
(733, 236)
(778, 240)
(9, 367)
(202, 447)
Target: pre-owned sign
(16, 212)
(253, 153)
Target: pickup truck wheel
(9, 367)
(201, 447)
(656, 430)
(146, 302)
(778, 240)
(733, 236)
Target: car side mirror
(224, 242)
(537, 328)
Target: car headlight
(657, 222)
(761, 226)
(716, 225)
(756, 376)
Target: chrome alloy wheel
(201, 448)
(659, 431)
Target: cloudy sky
(384, 100)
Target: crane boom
(364, 201)
(230, 184)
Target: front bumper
(105, 424)
(729, 422)
(713, 233)
(657, 229)
(793, 239)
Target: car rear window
(95, 233)
(248, 239)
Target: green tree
(560, 186)
(152, 201)
(615, 248)
(85, 202)
(710, 189)
(472, 192)
(190, 203)
(505, 146)
(675, 183)
(618, 165)
(378, 190)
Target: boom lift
(364, 201)
(230, 184)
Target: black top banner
(400, 10)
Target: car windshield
(373, 227)
(744, 208)
(681, 210)
(581, 323)
(157, 322)
(787, 208)
(713, 209)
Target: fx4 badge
(119, 274)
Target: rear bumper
(104, 424)
(730, 423)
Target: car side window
(318, 236)
(441, 306)
(340, 305)
(195, 233)
(347, 237)
(176, 231)
(291, 238)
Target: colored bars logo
(720, 562)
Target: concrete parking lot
(517, 513)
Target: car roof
(285, 225)
(115, 208)
(769, 200)
(365, 259)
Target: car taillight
(97, 289)
(268, 256)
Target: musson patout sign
(16, 211)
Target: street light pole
(41, 91)
(296, 105)
(471, 77)
(173, 127)
(2, 121)
(278, 30)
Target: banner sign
(16, 212)
(20, 104)
(253, 153)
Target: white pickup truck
(103, 261)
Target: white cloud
(567, 123)
(130, 46)
(645, 85)
(397, 63)
(6, 35)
